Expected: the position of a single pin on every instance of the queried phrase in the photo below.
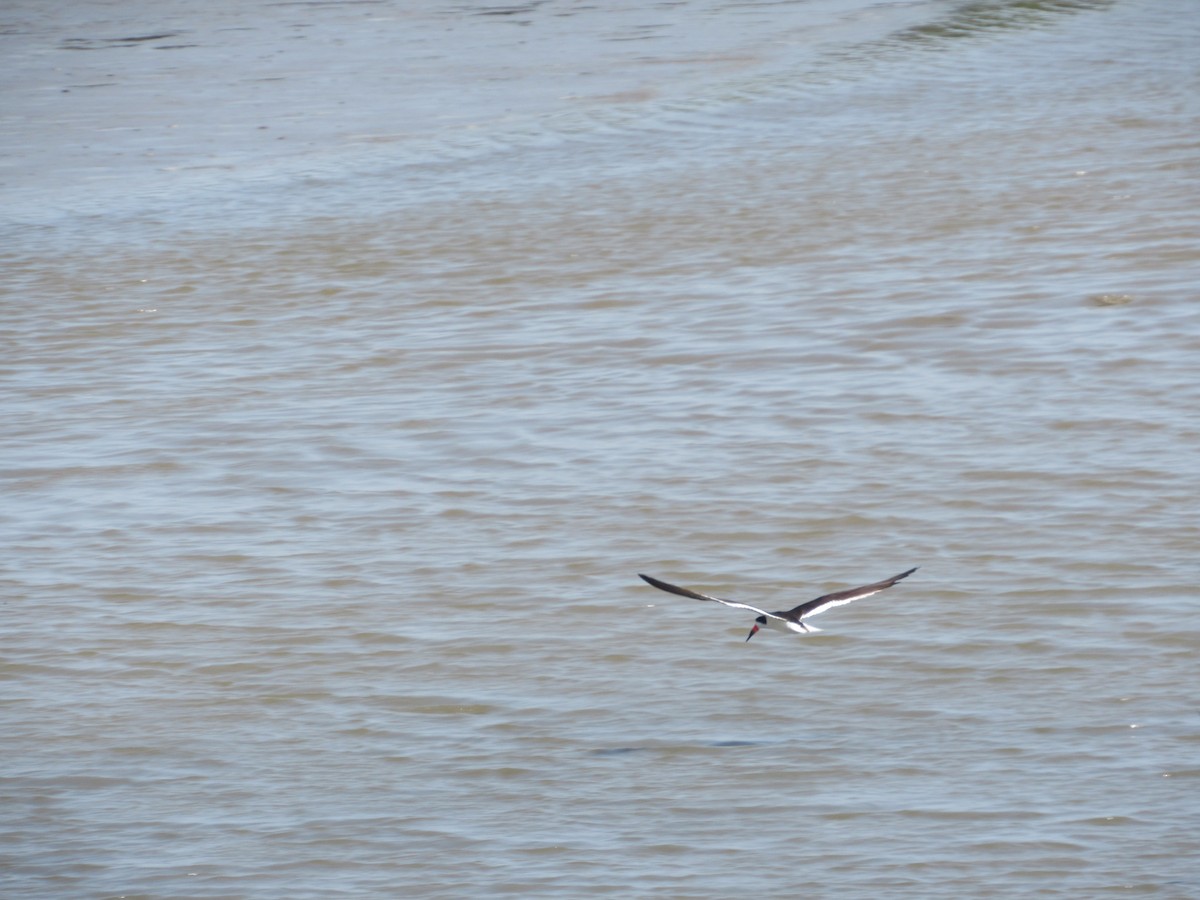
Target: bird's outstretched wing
(841, 598)
(696, 595)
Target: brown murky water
(356, 359)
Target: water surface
(356, 359)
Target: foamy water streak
(324, 496)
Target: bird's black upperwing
(696, 595)
(840, 598)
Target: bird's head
(761, 620)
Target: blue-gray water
(355, 360)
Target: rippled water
(328, 471)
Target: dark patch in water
(622, 751)
(101, 43)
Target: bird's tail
(811, 628)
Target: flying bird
(791, 619)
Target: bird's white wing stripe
(841, 602)
(737, 605)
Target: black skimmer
(787, 620)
